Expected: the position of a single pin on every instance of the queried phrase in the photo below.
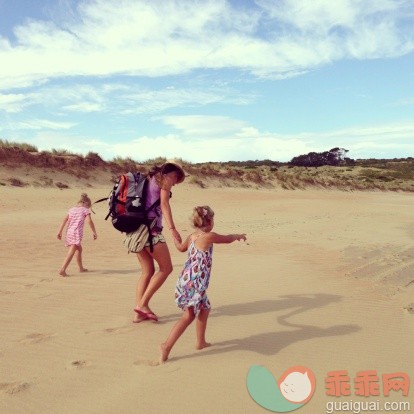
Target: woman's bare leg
(161, 255)
(201, 326)
(147, 271)
(177, 330)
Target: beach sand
(323, 281)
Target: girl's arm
(167, 213)
(212, 238)
(92, 226)
(228, 238)
(65, 220)
(182, 247)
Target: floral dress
(192, 284)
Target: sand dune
(325, 280)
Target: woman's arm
(65, 220)
(167, 213)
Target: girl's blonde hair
(85, 200)
(202, 216)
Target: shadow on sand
(270, 343)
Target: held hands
(176, 236)
(177, 243)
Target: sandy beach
(324, 281)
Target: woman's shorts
(156, 238)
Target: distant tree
(335, 156)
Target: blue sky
(209, 80)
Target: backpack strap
(155, 204)
(149, 226)
(100, 200)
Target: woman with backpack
(161, 180)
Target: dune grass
(380, 175)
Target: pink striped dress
(76, 222)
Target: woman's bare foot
(138, 318)
(203, 345)
(144, 309)
(83, 270)
(63, 273)
(164, 353)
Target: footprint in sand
(147, 362)
(79, 363)
(153, 363)
(13, 387)
(124, 328)
(35, 338)
(409, 308)
(118, 329)
(47, 280)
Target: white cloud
(76, 98)
(12, 102)
(389, 132)
(106, 37)
(213, 149)
(84, 107)
(240, 142)
(118, 98)
(41, 124)
(200, 126)
(138, 101)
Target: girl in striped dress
(192, 284)
(75, 220)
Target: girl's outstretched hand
(241, 237)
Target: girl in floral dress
(75, 219)
(192, 284)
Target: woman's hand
(176, 235)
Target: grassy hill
(23, 165)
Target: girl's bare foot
(62, 273)
(83, 270)
(203, 345)
(164, 353)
